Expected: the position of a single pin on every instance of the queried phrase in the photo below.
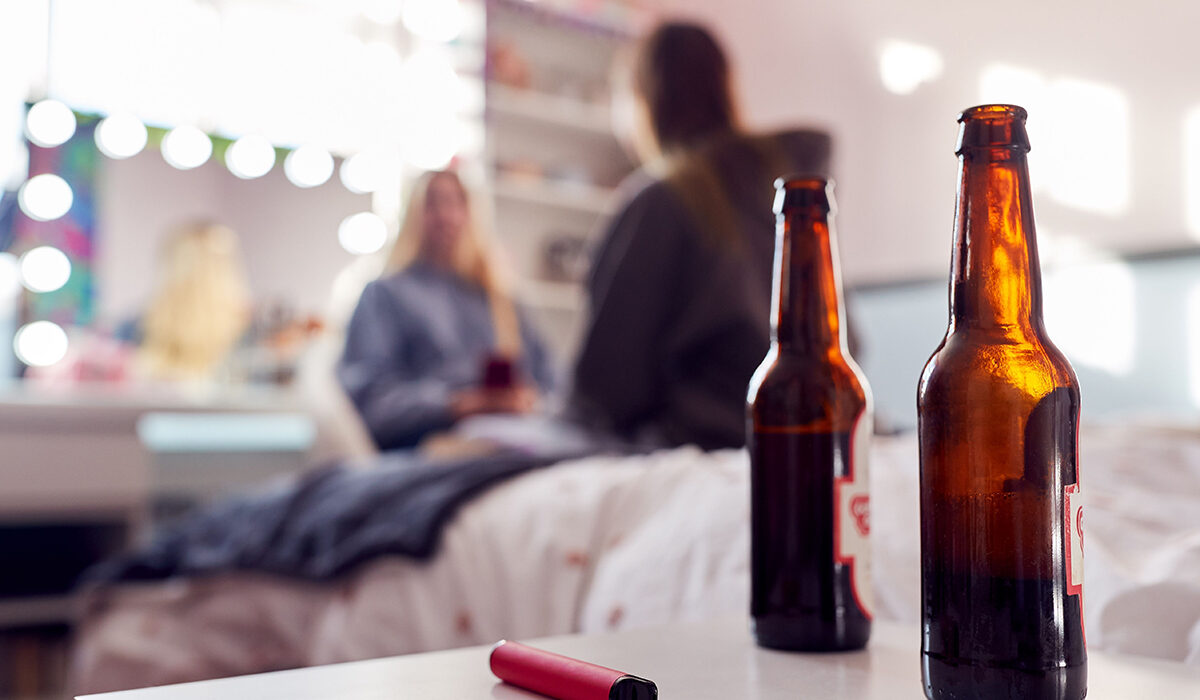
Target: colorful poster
(76, 161)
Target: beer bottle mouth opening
(995, 126)
(803, 192)
(993, 113)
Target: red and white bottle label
(1073, 534)
(852, 516)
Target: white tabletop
(693, 661)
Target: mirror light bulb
(121, 136)
(186, 147)
(49, 123)
(45, 197)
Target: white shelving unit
(552, 157)
(554, 296)
(571, 196)
(551, 110)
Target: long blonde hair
(202, 305)
(476, 258)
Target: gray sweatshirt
(415, 339)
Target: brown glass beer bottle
(998, 407)
(808, 424)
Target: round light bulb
(40, 344)
(49, 123)
(45, 269)
(250, 157)
(363, 233)
(436, 20)
(308, 166)
(363, 173)
(434, 142)
(45, 197)
(186, 147)
(121, 136)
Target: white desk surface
(72, 453)
(715, 660)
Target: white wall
(817, 62)
(288, 234)
(900, 326)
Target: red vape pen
(565, 678)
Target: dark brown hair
(682, 74)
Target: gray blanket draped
(326, 523)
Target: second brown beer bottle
(998, 410)
(809, 423)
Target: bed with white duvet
(609, 543)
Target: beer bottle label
(1073, 529)
(852, 516)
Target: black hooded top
(680, 303)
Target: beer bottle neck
(807, 304)
(996, 279)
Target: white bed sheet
(606, 543)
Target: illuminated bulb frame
(43, 256)
(237, 157)
(353, 224)
(165, 147)
(43, 107)
(116, 121)
(58, 336)
(298, 160)
(41, 182)
(362, 173)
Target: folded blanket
(327, 522)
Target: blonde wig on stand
(201, 307)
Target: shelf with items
(551, 154)
(504, 101)
(573, 196)
(552, 50)
(552, 295)
(552, 255)
(613, 18)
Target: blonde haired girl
(428, 233)
(422, 334)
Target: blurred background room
(195, 194)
